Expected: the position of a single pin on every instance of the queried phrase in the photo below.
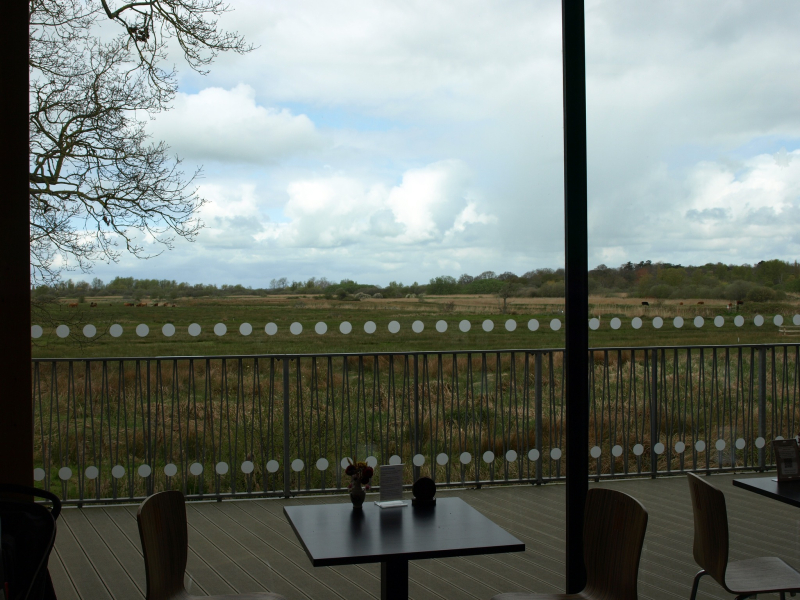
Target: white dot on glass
(196, 469)
(170, 470)
(465, 458)
(221, 468)
(297, 465)
(740, 444)
(441, 326)
(617, 451)
(321, 328)
(487, 325)
(144, 470)
(719, 321)
(142, 330)
(511, 456)
(89, 331)
(555, 453)
(273, 466)
(533, 324)
(778, 437)
(168, 330)
(345, 327)
(464, 326)
(394, 327)
(115, 330)
(700, 446)
(92, 472)
(371, 461)
(417, 326)
(395, 460)
(270, 329)
(370, 327)
(777, 320)
(759, 320)
(511, 325)
(345, 463)
(638, 450)
(62, 331)
(248, 467)
(596, 452)
(760, 442)
(245, 329)
(680, 447)
(636, 323)
(418, 460)
(64, 473)
(36, 332)
(220, 329)
(296, 328)
(796, 319)
(533, 455)
(720, 445)
(677, 322)
(738, 320)
(658, 322)
(616, 323)
(118, 472)
(699, 321)
(194, 329)
(659, 448)
(322, 464)
(555, 324)
(38, 474)
(488, 457)
(442, 459)
(594, 323)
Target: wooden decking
(244, 546)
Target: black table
(788, 491)
(335, 534)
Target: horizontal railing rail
(118, 428)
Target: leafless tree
(99, 185)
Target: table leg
(394, 580)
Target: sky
(388, 141)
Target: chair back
(162, 529)
(613, 535)
(710, 528)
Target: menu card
(787, 457)
(391, 486)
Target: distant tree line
(765, 281)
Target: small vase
(357, 495)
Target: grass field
(308, 311)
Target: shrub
(761, 294)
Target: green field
(283, 311)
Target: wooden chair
(162, 529)
(743, 578)
(613, 534)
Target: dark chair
(162, 529)
(613, 534)
(27, 535)
(743, 577)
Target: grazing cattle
(681, 303)
(127, 304)
(645, 304)
(155, 303)
(701, 302)
(73, 305)
(141, 304)
(93, 304)
(740, 302)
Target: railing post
(286, 471)
(762, 407)
(538, 414)
(416, 415)
(653, 414)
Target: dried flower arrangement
(360, 473)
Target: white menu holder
(391, 486)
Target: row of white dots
(465, 458)
(321, 328)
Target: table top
(788, 491)
(335, 534)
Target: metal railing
(278, 425)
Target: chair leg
(783, 595)
(696, 584)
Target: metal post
(286, 471)
(762, 407)
(16, 406)
(416, 414)
(576, 309)
(538, 414)
(653, 413)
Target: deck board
(247, 545)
